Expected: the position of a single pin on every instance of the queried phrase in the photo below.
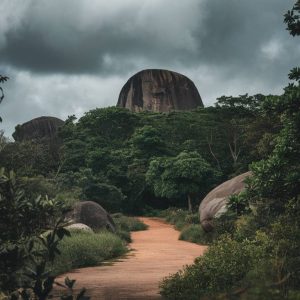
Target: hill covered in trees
(111, 154)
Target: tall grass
(194, 233)
(189, 225)
(179, 217)
(85, 249)
(128, 223)
(125, 225)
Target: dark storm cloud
(51, 40)
(59, 36)
(236, 35)
(66, 56)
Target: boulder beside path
(91, 214)
(214, 204)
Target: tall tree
(2, 80)
(186, 175)
(292, 19)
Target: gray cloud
(88, 36)
(65, 56)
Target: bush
(194, 233)
(39, 185)
(179, 217)
(225, 224)
(85, 249)
(245, 227)
(263, 268)
(128, 224)
(108, 196)
(220, 270)
(124, 235)
(69, 197)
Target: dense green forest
(138, 163)
(120, 154)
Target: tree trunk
(189, 203)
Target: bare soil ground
(156, 253)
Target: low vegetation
(85, 249)
(125, 224)
(188, 224)
(128, 223)
(195, 234)
(179, 217)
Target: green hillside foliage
(113, 150)
(110, 151)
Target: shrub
(245, 227)
(108, 196)
(85, 249)
(124, 235)
(69, 197)
(128, 224)
(39, 185)
(247, 269)
(192, 218)
(175, 216)
(194, 233)
(220, 270)
(225, 224)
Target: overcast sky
(66, 57)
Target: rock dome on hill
(38, 128)
(159, 91)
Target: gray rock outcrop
(214, 204)
(91, 214)
(38, 128)
(159, 91)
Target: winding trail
(156, 253)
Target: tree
(112, 124)
(2, 80)
(30, 158)
(235, 113)
(292, 19)
(147, 142)
(187, 174)
(108, 196)
(3, 140)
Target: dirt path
(156, 253)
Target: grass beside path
(86, 249)
(188, 224)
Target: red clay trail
(156, 253)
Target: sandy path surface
(156, 253)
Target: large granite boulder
(38, 128)
(79, 227)
(91, 214)
(159, 91)
(214, 204)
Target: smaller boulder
(214, 204)
(91, 214)
(80, 226)
(39, 128)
